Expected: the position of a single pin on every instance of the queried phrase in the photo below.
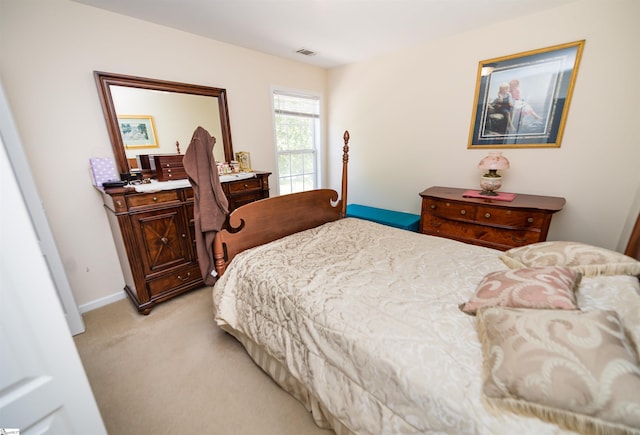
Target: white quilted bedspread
(366, 316)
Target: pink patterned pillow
(535, 287)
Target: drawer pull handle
(433, 206)
(530, 220)
(155, 198)
(487, 215)
(463, 212)
(246, 185)
(518, 239)
(184, 236)
(181, 278)
(165, 241)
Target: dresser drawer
(188, 193)
(147, 199)
(174, 280)
(510, 218)
(239, 201)
(500, 238)
(171, 174)
(437, 226)
(242, 186)
(450, 209)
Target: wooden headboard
(269, 219)
(633, 245)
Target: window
(297, 127)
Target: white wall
(417, 104)
(49, 52)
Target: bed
(378, 330)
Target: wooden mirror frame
(104, 80)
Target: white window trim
(319, 149)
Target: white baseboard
(106, 300)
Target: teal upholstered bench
(398, 219)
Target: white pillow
(586, 259)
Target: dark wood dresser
(155, 238)
(243, 192)
(486, 222)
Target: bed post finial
(345, 161)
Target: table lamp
(491, 181)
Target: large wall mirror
(167, 112)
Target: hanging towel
(210, 207)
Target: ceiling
(338, 31)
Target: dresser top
(550, 203)
(156, 186)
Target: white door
(44, 235)
(43, 386)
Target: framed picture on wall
(137, 131)
(522, 100)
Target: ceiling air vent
(306, 52)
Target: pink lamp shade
(495, 160)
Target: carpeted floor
(175, 372)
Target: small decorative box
(169, 167)
(103, 169)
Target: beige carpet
(175, 372)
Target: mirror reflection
(175, 117)
(166, 114)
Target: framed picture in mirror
(138, 131)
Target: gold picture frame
(244, 160)
(522, 100)
(138, 131)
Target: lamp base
(488, 193)
(490, 183)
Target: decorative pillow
(620, 293)
(575, 369)
(536, 287)
(586, 259)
